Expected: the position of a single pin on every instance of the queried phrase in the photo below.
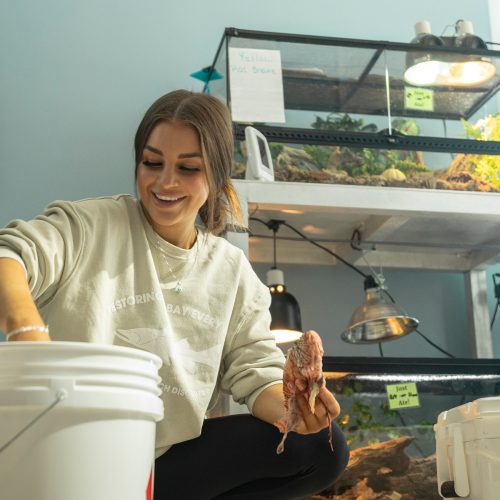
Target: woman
(141, 273)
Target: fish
(302, 376)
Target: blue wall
(76, 77)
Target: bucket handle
(61, 395)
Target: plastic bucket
(77, 421)
(468, 450)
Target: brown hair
(211, 119)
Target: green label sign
(402, 396)
(416, 98)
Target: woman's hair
(211, 119)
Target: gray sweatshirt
(99, 273)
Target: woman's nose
(168, 176)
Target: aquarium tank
(388, 409)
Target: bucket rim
(90, 347)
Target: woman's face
(172, 181)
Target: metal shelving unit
(401, 227)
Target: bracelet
(17, 331)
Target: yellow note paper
(417, 98)
(402, 395)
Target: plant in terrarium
(486, 167)
(365, 422)
(319, 154)
(337, 121)
(358, 162)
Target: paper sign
(402, 396)
(256, 85)
(421, 99)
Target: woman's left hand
(326, 408)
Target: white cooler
(468, 450)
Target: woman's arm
(269, 406)
(17, 308)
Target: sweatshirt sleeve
(47, 246)
(253, 361)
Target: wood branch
(375, 459)
(384, 472)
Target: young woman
(142, 273)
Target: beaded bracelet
(17, 331)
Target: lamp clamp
(370, 282)
(275, 224)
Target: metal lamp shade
(377, 321)
(286, 322)
(449, 69)
(466, 71)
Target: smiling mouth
(167, 200)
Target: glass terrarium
(389, 407)
(346, 111)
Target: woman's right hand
(17, 308)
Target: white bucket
(468, 450)
(77, 421)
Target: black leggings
(235, 458)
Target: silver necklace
(178, 285)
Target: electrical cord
(494, 314)
(433, 344)
(271, 223)
(274, 224)
(496, 288)
(422, 335)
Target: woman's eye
(187, 168)
(152, 164)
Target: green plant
(407, 165)
(486, 167)
(319, 154)
(366, 422)
(364, 161)
(336, 121)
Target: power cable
(496, 288)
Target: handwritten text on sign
(402, 395)
(421, 99)
(256, 85)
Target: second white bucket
(77, 421)
(468, 450)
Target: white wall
(76, 77)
